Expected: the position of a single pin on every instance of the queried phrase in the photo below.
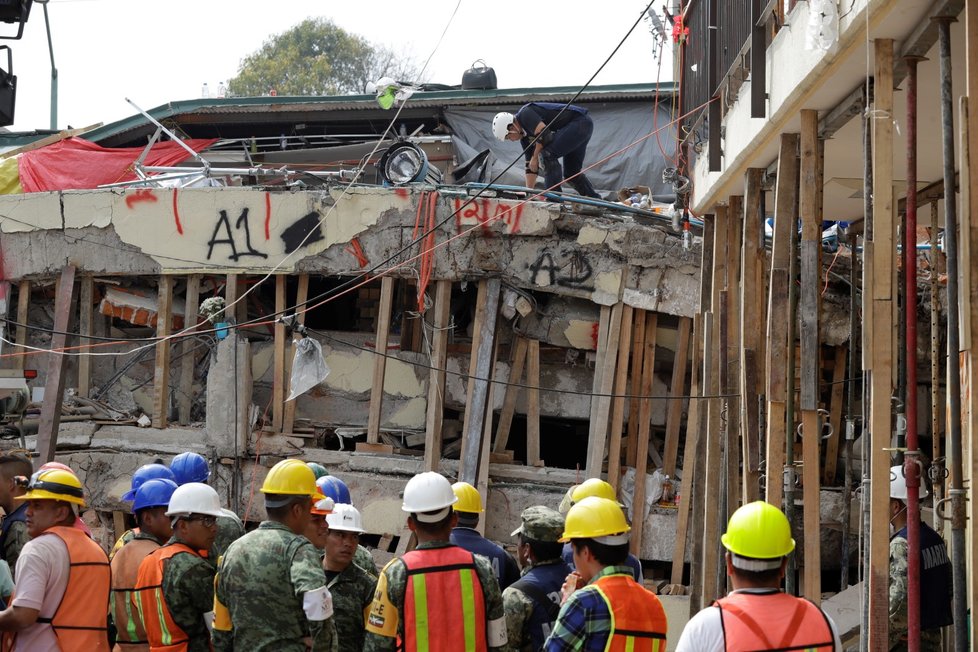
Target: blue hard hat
(190, 467)
(333, 487)
(144, 473)
(154, 493)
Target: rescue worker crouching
(62, 595)
(437, 597)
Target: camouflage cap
(541, 524)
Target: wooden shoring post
(644, 433)
(477, 408)
(601, 348)
(232, 292)
(638, 352)
(618, 403)
(512, 393)
(278, 363)
(752, 313)
(677, 389)
(881, 344)
(54, 382)
(597, 444)
(436, 377)
(380, 359)
(835, 415)
(185, 389)
(936, 407)
(86, 299)
(731, 374)
(23, 307)
(533, 404)
(161, 378)
(482, 472)
(808, 310)
(785, 216)
(301, 296)
(690, 461)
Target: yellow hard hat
(290, 478)
(54, 484)
(758, 530)
(469, 499)
(596, 518)
(593, 487)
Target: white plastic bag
(653, 491)
(309, 368)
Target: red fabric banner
(77, 164)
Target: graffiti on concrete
(484, 212)
(144, 195)
(303, 232)
(573, 271)
(242, 226)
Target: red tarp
(76, 164)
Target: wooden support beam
(691, 466)
(601, 347)
(23, 307)
(533, 404)
(644, 431)
(164, 328)
(380, 359)
(477, 408)
(86, 300)
(677, 389)
(597, 444)
(618, 404)
(185, 394)
(880, 345)
(730, 376)
(301, 296)
(232, 292)
(54, 382)
(512, 393)
(436, 377)
(278, 362)
(835, 415)
(638, 346)
(751, 345)
(482, 472)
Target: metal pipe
(937, 464)
(957, 492)
(911, 469)
(54, 69)
(791, 584)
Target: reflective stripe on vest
(638, 621)
(125, 608)
(163, 633)
(788, 623)
(444, 596)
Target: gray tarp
(616, 125)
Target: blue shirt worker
(465, 535)
(601, 489)
(562, 131)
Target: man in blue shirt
(468, 508)
(560, 131)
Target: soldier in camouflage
(531, 604)
(271, 591)
(351, 586)
(13, 531)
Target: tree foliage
(316, 57)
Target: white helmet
(500, 125)
(428, 495)
(345, 518)
(194, 498)
(898, 484)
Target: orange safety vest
(163, 633)
(638, 621)
(131, 635)
(444, 607)
(786, 623)
(81, 621)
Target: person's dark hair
(468, 519)
(434, 529)
(14, 464)
(605, 554)
(543, 550)
(142, 512)
(771, 576)
(281, 512)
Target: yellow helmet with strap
(55, 484)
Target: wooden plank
(752, 313)
(477, 409)
(512, 393)
(185, 395)
(86, 314)
(644, 431)
(23, 307)
(232, 307)
(677, 390)
(380, 360)
(690, 461)
(301, 296)
(278, 363)
(436, 377)
(600, 352)
(731, 383)
(811, 238)
(164, 328)
(533, 404)
(482, 473)
(638, 348)
(811, 436)
(118, 523)
(835, 415)
(618, 404)
(597, 444)
(710, 437)
(54, 382)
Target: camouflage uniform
(229, 529)
(352, 591)
(365, 560)
(14, 542)
(394, 578)
(930, 640)
(261, 581)
(188, 589)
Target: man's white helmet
(898, 484)
(194, 498)
(345, 518)
(428, 495)
(500, 125)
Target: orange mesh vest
(638, 621)
(131, 636)
(444, 607)
(163, 633)
(781, 622)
